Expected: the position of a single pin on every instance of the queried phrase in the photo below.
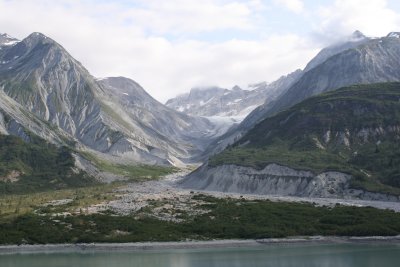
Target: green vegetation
(36, 166)
(353, 130)
(133, 172)
(224, 219)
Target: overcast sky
(170, 46)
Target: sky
(172, 46)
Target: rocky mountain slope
(47, 92)
(161, 121)
(343, 143)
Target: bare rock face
(276, 179)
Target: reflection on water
(277, 256)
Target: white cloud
(296, 6)
(192, 16)
(111, 39)
(372, 17)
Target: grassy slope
(290, 137)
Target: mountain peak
(6, 40)
(38, 39)
(394, 34)
(37, 36)
(357, 35)
(5, 35)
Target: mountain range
(282, 137)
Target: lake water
(341, 255)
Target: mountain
(352, 41)
(355, 60)
(190, 133)
(358, 61)
(344, 143)
(374, 61)
(45, 91)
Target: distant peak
(5, 35)
(36, 38)
(358, 35)
(205, 88)
(7, 40)
(37, 35)
(394, 34)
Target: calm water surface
(276, 256)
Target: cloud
(372, 17)
(296, 6)
(182, 16)
(119, 38)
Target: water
(277, 256)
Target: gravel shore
(154, 246)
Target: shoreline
(226, 243)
